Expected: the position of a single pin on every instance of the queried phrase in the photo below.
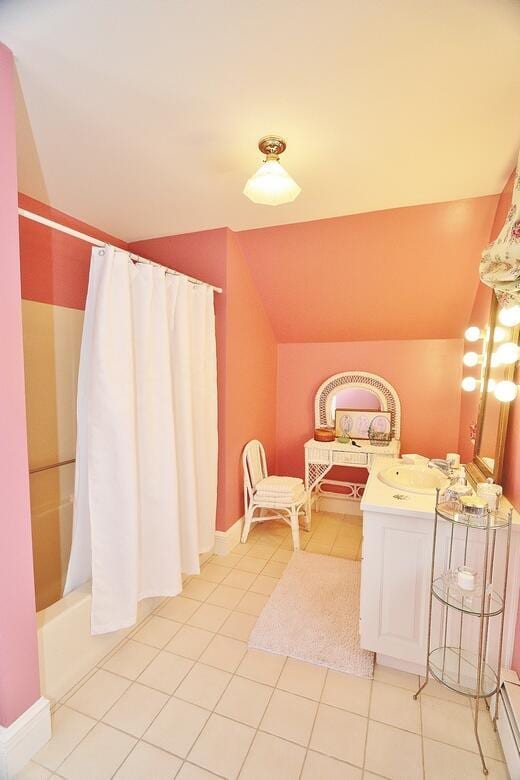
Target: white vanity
(396, 566)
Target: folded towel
(279, 484)
(283, 498)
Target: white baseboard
(20, 741)
(226, 540)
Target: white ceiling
(142, 116)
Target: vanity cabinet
(395, 587)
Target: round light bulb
(510, 316)
(472, 333)
(508, 353)
(470, 359)
(469, 383)
(491, 384)
(499, 334)
(506, 391)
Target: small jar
(491, 493)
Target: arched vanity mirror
(357, 390)
(493, 414)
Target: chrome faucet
(442, 465)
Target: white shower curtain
(146, 456)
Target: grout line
(368, 723)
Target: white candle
(465, 578)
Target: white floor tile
(157, 631)
(290, 717)
(192, 772)
(346, 691)
(271, 757)
(222, 746)
(136, 709)
(198, 589)
(239, 579)
(98, 756)
(439, 691)
(98, 694)
(282, 556)
(224, 653)
(274, 569)
(130, 659)
(226, 596)
(302, 678)
(394, 677)
(209, 616)
(320, 767)
(33, 772)
(190, 642)
(238, 626)
(250, 564)
(177, 727)
(166, 672)
(453, 723)
(226, 561)
(68, 729)
(179, 609)
(395, 706)
(331, 730)
(261, 667)
(264, 585)
(150, 763)
(393, 753)
(252, 603)
(213, 573)
(262, 551)
(203, 685)
(445, 762)
(244, 700)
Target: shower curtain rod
(96, 242)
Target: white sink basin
(414, 479)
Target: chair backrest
(254, 464)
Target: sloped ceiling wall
(406, 273)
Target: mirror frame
(477, 469)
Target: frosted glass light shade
(271, 185)
(505, 390)
(469, 383)
(472, 333)
(510, 316)
(470, 359)
(508, 353)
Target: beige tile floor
(184, 698)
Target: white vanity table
(321, 457)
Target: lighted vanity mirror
(493, 414)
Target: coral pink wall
(19, 680)
(246, 352)
(251, 369)
(396, 274)
(425, 373)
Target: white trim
(20, 741)
(226, 540)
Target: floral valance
(500, 264)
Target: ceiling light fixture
(271, 185)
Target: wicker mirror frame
(362, 380)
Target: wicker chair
(255, 469)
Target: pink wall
(19, 680)
(246, 352)
(396, 274)
(251, 370)
(425, 373)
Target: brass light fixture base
(272, 146)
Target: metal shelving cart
(464, 671)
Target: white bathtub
(67, 649)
